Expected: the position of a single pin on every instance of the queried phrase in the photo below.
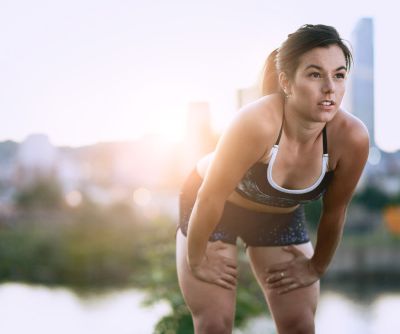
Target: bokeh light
(142, 196)
(73, 198)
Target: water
(32, 309)
(339, 314)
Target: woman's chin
(325, 116)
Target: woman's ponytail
(270, 80)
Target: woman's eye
(315, 75)
(340, 75)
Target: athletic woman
(291, 146)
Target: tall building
(362, 82)
(36, 159)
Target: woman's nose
(328, 86)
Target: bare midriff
(238, 199)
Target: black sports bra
(257, 183)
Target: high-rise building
(36, 159)
(362, 77)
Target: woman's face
(318, 86)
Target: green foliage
(249, 300)
(93, 247)
(178, 322)
(45, 193)
(89, 246)
(372, 198)
(313, 213)
(394, 200)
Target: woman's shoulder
(248, 135)
(251, 131)
(348, 129)
(270, 103)
(347, 137)
(263, 114)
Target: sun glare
(163, 114)
(169, 123)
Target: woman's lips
(327, 105)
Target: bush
(45, 193)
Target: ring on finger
(282, 274)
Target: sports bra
(258, 185)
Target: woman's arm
(243, 143)
(337, 198)
(301, 270)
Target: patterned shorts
(256, 229)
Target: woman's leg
(293, 312)
(212, 307)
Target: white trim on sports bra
(274, 151)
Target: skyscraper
(362, 82)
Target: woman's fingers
(230, 279)
(281, 283)
(229, 276)
(219, 269)
(289, 288)
(294, 250)
(218, 245)
(231, 271)
(230, 262)
(276, 277)
(225, 284)
(277, 268)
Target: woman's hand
(288, 276)
(216, 268)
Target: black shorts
(254, 228)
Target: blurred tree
(45, 193)
(372, 198)
(395, 200)
(313, 213)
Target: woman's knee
(300, 324)
(212, 323)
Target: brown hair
(286, 58)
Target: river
(42, 310)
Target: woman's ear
(284, 82)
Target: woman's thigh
(202, 298)
(291, 308)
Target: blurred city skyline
(91, 72)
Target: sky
(90, 71)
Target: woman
(289, 147)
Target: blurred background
(106, 106)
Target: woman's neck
(299, 130)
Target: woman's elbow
(209, 202)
